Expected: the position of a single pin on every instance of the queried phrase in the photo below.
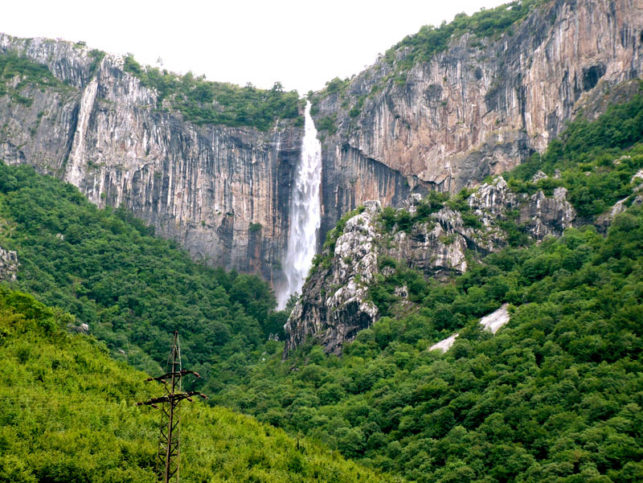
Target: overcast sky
(301, 44)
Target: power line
(168, 453)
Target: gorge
(479, 105)
(461, 225)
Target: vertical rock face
(222, 192)
(334, 303)
(479, 107)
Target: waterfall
(305, 213)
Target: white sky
(301, 44)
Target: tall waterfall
(305, 213)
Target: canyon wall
(222, 192)
(477, 108)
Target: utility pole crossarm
(172, 397)
(164, 377)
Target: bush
(206, 102)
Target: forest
(555, 395)
(206, 102)
(133, 289)
(69, 415)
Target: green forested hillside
(555, 395)
(132, 288)
(69, 415)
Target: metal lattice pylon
(169, 455)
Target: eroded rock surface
(222, 192)
(8, 265)
(335, 302)
(479, 107)
(492, 322)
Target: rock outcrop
(479, 107)
(8, 265)
(335, 302)
(491, 322)
(222, 192)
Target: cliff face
(477, 108)
(335, 303)
(222, 192)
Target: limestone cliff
(405, 125)
(222, 192)
(434, 238)
(478, 107)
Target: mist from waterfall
(305, 213)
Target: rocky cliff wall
(8, 265)
(335, 303)
(222, 192)
(477, 108)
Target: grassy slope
(69, 415)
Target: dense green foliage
(69, 415)
(132, 289)
(590, 159)
(403, 220)
(28, 72)
(328, 124)
(555, 395)
(430, 40)
(206, 102)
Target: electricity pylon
(168, 461)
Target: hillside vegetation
(207, 102)
(131, 288)
(69, 415)
(199, 100)
(554, 396)
(430, 40)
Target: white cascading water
(305, 213)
